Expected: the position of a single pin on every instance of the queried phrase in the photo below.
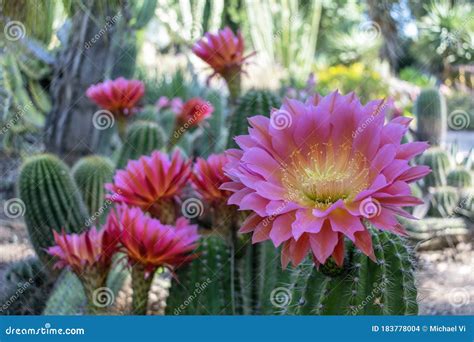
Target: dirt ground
(445, 278)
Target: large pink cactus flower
(152, 244)
(92, 249)
(119, 96)
(313, 172)
(223, 51)
(152, 183)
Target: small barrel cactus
(143, 137)
(203, 287)
(52, 202)
(254, 102)
(365, 287)
(90, 174)
(430, 110)
(459, 178)
(444, 201)
(438, 160)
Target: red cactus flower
(194, 111)
(152, 244)
(223, 51)
(152, 183)
(314, 172)
(208, 176)
(92, 249)
(119, 96)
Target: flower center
(324, 175)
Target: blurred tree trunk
(391, 50)
(87, 54)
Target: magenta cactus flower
(314, 173)
(149, 244)
(224, 52)
(152, 183)
(89, 256)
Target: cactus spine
(459, 178)
(203, 286)
(385, 287)
(90, 174)
(439, 162)
(254, 102)
(52, 202)
(430, 110)
(143, 137)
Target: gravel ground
(445, 278)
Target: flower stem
(140, 286)
(122, 127)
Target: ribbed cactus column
(444, 201)
(141, 284)
(438, 161)
(143, 137)
(90, 174)
(364, 287)
(52, 202)
(459, 178)
(254, 102)
(203, 286)
(430, 110)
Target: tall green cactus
(52, 202)
(143, 137)
(203, 287)
(430, 110)
(438, 160)
(385, 287)
(254, 102)
(459, 178)
(90, 174)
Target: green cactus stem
(430, 110)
